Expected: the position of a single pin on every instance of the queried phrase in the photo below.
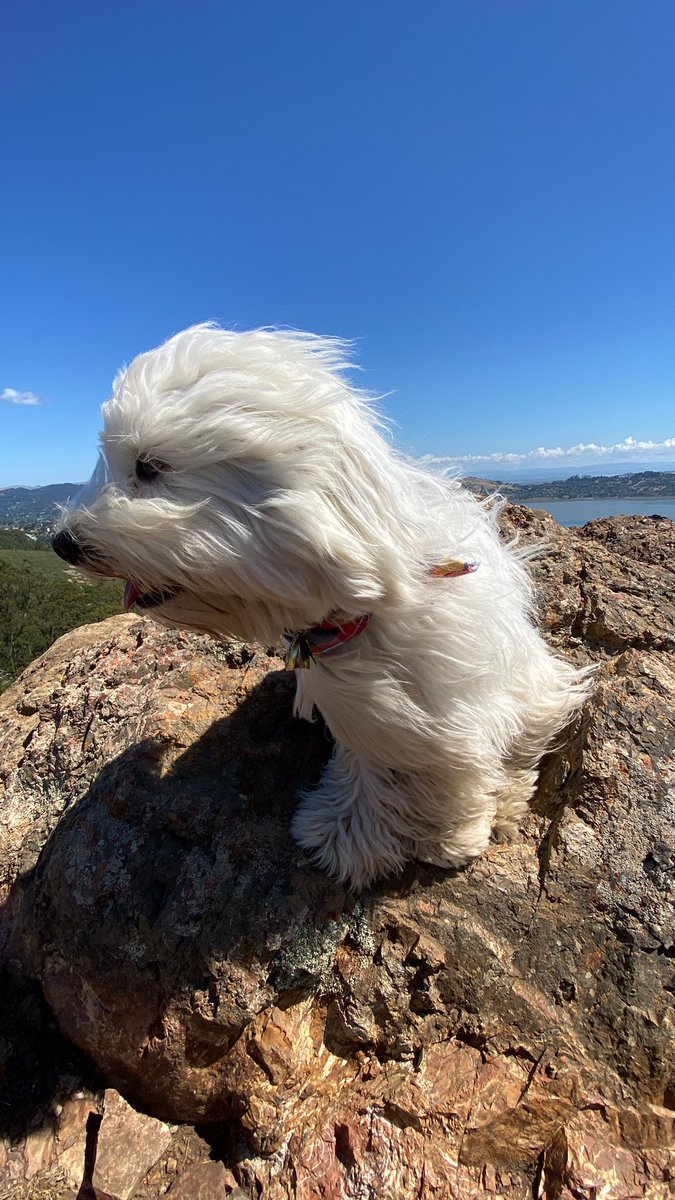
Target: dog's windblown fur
(245, 489)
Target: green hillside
(42, 562)
(16, 539)
(40, 599)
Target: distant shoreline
(575, 499)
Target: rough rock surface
(503, 1030)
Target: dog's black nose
(66, 546)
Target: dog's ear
(361, 581)
(367, 557)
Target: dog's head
(242, 486)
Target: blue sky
(480, 193)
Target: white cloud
(12, 396)
(583, 452)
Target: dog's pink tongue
(131, 594)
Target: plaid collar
(308, 644)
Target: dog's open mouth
(132, 596)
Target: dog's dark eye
(149, 468)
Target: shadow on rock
(39, 1068)
(172, 905)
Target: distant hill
(34, 508)
(640, 485)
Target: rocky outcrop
(503, 1030)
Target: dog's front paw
(346, 842)
(459, 847)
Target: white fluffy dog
(245, 490)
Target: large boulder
(505, 1029)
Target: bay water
(578, 512)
